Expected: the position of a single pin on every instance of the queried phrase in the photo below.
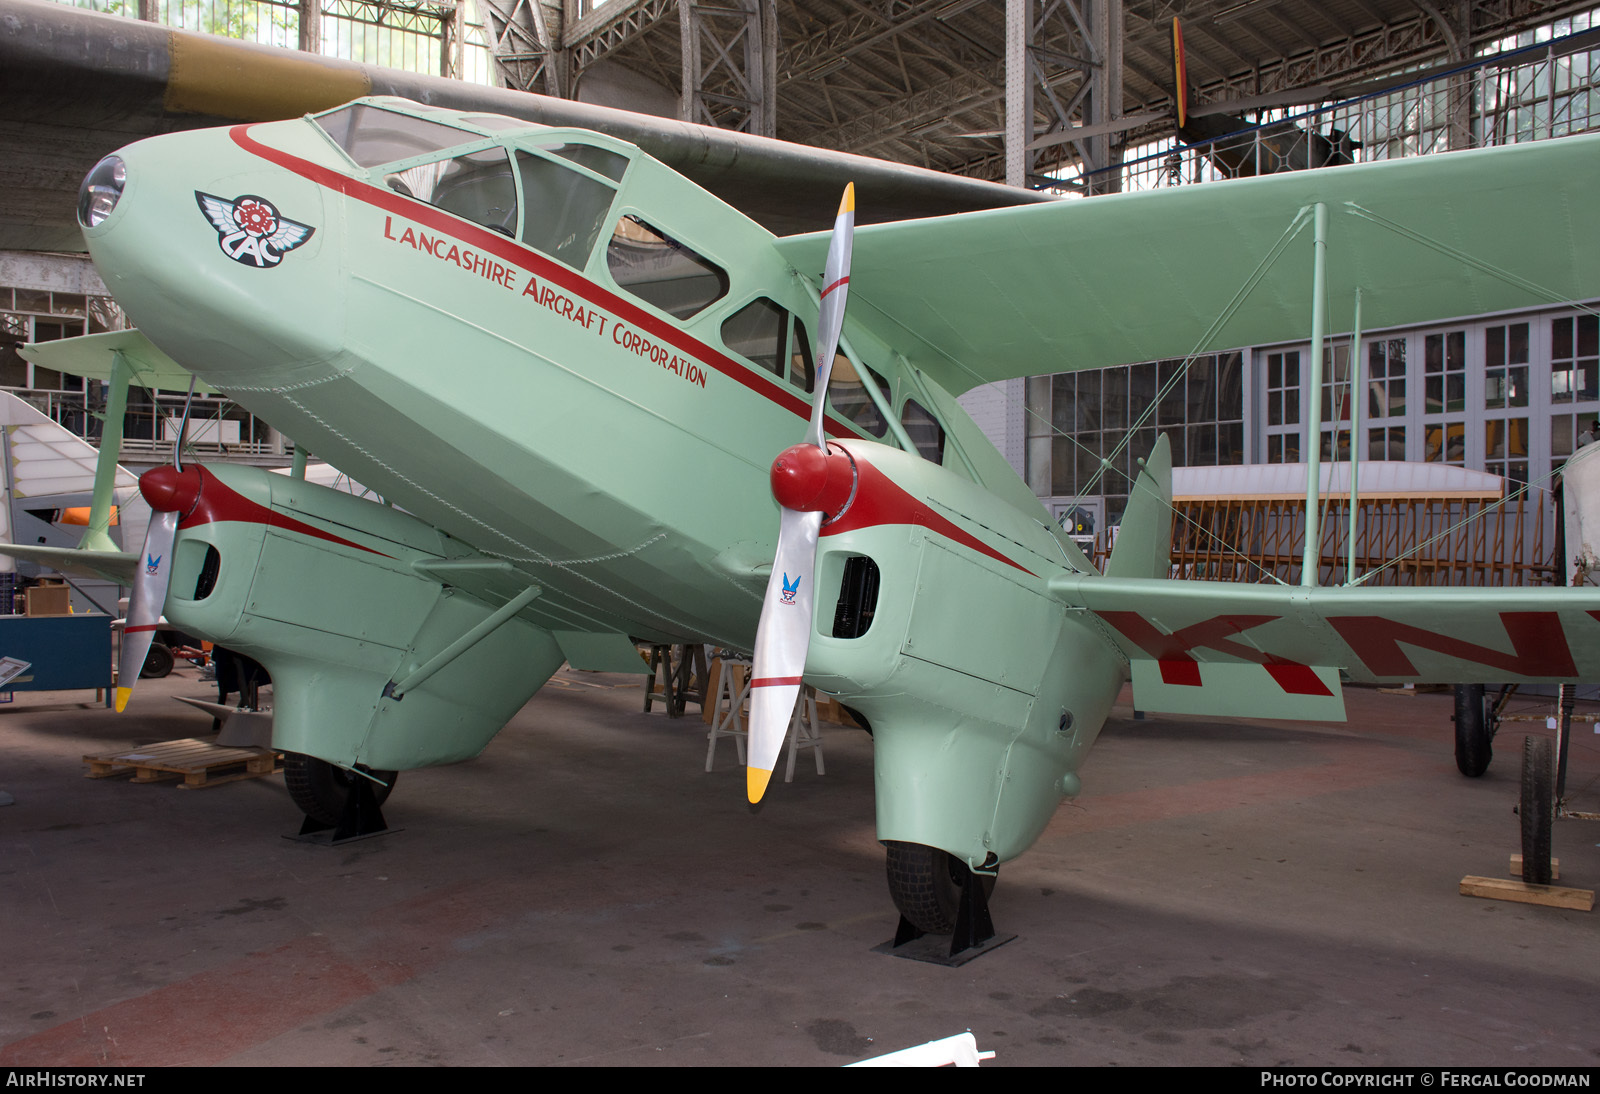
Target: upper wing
(1143, 276)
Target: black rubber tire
(320, 788)
(1537, 808)
(1474, 731)
(925, 883)
(157, 663)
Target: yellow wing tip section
(848, 203)
(755, 782)
(123, 694)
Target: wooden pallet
(195, 760)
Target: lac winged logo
(789, 590)
(250, 230)
(152, 563)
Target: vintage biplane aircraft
(519, 334)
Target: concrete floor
(583, 893)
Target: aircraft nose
(229, 263)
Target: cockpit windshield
(372, 136)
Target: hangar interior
(1075, 97)
(1226, 893)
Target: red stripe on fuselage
(879, 500)
(533, 262)
(219, 502)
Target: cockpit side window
(659, 270)
(848, 394)
(924, 430)
(371, 136)
(477, 186)
(564, 210)
(769, 336)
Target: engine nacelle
(332, 593)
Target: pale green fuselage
(615, 456)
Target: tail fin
(1144, 541)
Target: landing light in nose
(101, 190)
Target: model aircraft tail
(1143, 545)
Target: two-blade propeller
(808, 482)
(171, 492)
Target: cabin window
(476, 186)
(661, 271)
(924, 430)
(772, 339)
(371, 136)
(602, 161)
(850, 398)
(565, 210)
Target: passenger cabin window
(850, 399)
(772, 339)
(371, 136)
(659, 270)
(564, 210)
(601, 161)
(924, 430)
(476, 186)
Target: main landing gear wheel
(925, 883)
(158, 662)
(1537, 809)
(1475, 726)
(320, 789)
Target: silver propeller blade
(784, 632)
(145, 605)
(149, 596)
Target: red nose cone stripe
(219, 503)
(880, 501)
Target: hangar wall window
(476, 187)
(29, 314)
(659, 270)
(1075, 420)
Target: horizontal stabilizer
(90, 355)
(1307, 693)
(115, 566)
(1281, 646)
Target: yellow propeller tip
(756, 783)
(848, 204)
(123, 695)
